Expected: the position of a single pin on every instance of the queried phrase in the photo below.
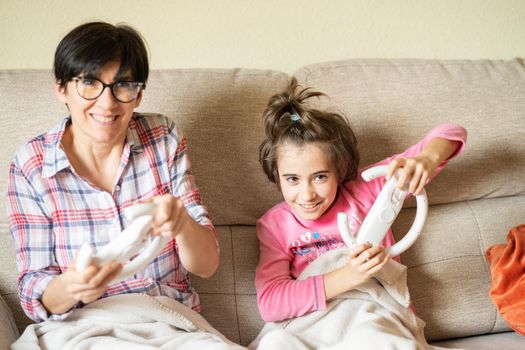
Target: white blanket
(374, 316)
(129, 322)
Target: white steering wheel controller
(127, 244)
(383, 213)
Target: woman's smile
(104, 118)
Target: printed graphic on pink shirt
(310, 245)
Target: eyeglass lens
(123, 91)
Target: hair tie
(294, 117)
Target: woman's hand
(67, 289)
(89, 285)
(414, 174)
(170, 217)
(195, 241)
(364, 261)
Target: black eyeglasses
(122, 91)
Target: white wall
(276, 34)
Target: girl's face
(307, 179)
(103, 120)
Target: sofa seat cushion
(507, 341)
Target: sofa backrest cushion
(393, 103)
(220, 112)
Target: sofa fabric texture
(8, 330)
(391, 104)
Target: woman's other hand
(89, 285)
(67, 289)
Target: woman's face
(307, 179)
(103, 120)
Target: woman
(70, 186)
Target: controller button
(387, 215)
(397, 196)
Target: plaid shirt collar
(55, 159)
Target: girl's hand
(416, 171)
(170, 216)
(414, 174)
(364, 261)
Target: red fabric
(507, 265)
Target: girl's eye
(291, 179)
(87, 81)
(320, 178)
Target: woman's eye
(86, 81)
(125, 85)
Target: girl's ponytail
(288, 119)
(287, 108)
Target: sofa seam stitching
(400, 63)
(482, 253)
(235, 285)
(442, 260)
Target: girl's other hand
(364, 261)
(414, 174)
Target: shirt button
(117, 188)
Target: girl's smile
(307, 179)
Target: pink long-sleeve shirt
(289, 243)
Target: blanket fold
(375, 315)
(507, 266)
(127, 322)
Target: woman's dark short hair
(288, 119)
(90, 46)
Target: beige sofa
(391, 104)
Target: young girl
(312, 156)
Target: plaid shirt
(53, 211)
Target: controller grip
(143, 259)
(140, 209)
(344, 230)
(84, 257)
(124, 246)
(385, 210)
(415, 230)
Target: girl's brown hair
(288, 120)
